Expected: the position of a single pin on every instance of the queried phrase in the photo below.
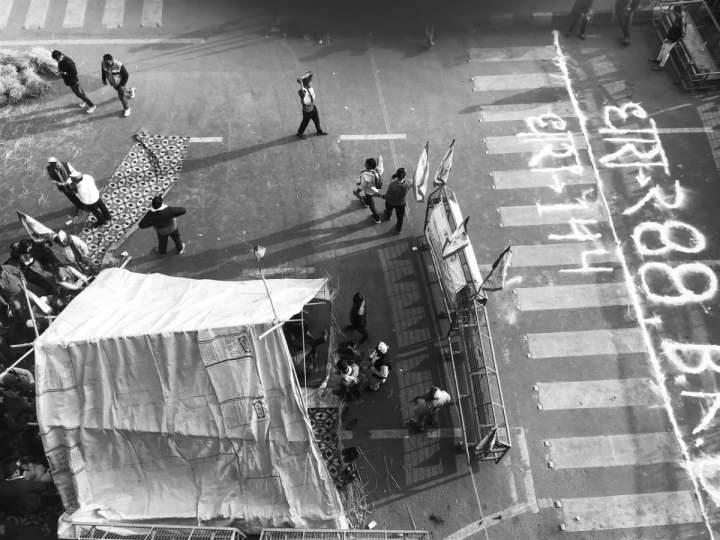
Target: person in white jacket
(369, 185)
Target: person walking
(675, 33)
(427, 408)
(369, 184)
(89, 195)
(358, 316)
(69, 74)
(379, 367)
(395, 198)
(308, 105)
(163, 219)
(581, 12)
(114, 73)
(59, 173)
(625, 12)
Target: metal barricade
(150, 531)
(337, 534)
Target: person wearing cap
(113, 72)
(379, 367)
(162, 218)
(59, 173)
(309, 108)
(89, 195)
(69, 74)
(395, 198)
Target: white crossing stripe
(528, 179)
(101, 41)
(5, 9)
(151, 13)
(630, 511)
(113, 14)
(206, 140)
(514, 144)
(572, 296)
(525, 216)
(614, 450)
(567, 254)
(375, 137)
(594, 394)
(515, 81)
(74, 14)
(506, 54)
(586, 343)
(521, 111)
(36, 14)
(672, 131)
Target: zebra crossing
(77, 14)
(562, 303)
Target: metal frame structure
(338, 534)
(154, 531)
(480, 401)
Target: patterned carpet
(150, 168)
(325, 423)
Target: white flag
(422, 172)
(457, 240)
(34, 228)
(443, 171)
(498, 272)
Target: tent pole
(272, 305)
(14, 364)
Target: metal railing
(337, 534)
(150, 531)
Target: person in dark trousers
(89, 195)
(114, 73)
(379, 367)
(427, 407)
(395, 198)
(675, 33)
(69, 75)
(309, 108)
(581, 12)
(59, 173)
(625, 11)
(358, 316)
(162, 217)
(369, 183)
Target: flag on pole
(443, 171)
(422, 171)
(495, 281)
(34, 228)
(457, 240)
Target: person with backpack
(309, 109)
(395, 198)
(369, 185)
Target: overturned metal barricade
(349, 534)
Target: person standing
(162, 218)
(427, 407)
(59, 172)
(581, 12)
(309, 107)
(369, 184)
(113, 72)
(625, 12)
(358, 316)
(675, 33)
(69, 74)
(379, 367)
(89, 195)
(395, 198)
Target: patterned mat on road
(150, 168)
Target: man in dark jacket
(624, 12)
(395, 198)
(162, 217)
(678, 27)
(69, 74)
(59, 172)
(114, 73)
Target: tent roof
(123, 303)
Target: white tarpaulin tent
(156, 399)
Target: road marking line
(75, 14)
(113, 14)
(511, 54)
(614, 450)
(528, 179)
(151, 13)
(586, 343)
(441, 433)
(101, 41)
(521, 111)
(205, 139)
(474, 529)
(597, 394)
(36, 14)
(567, 254)
(630, 511)
(676, 107)
(381, 99)
(515, 81)
(346, 434)
(671, 131)
(512, 144)
(5, 9)
(586, 295)
(375, 137)
(529, 216)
